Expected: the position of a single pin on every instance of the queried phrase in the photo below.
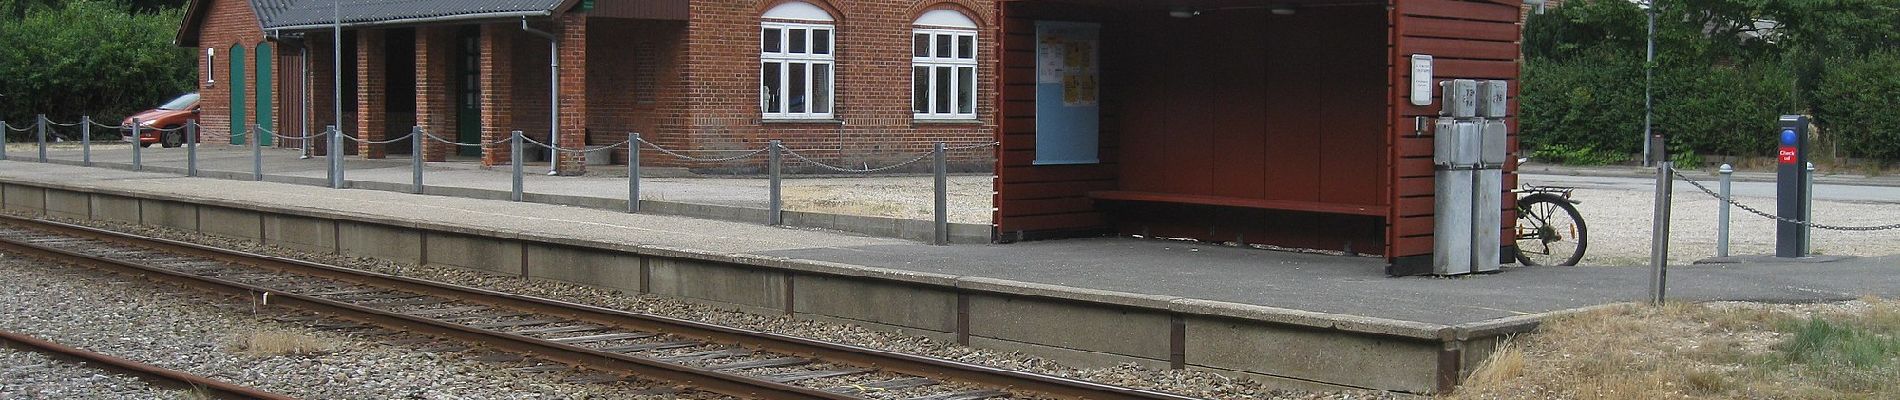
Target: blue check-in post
(1791, 167)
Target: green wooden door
(468, 99)
(237, 94)
(263, 86)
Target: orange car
(170, 116)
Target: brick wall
(227, 22)
(371, 84)
(435, 88)
(497, 75)
(874, 122)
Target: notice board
(1068, 92)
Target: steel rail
(150, 373)
(719, 382)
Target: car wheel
(173, 139)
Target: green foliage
(1724, 70)
(1858, 102)
(1857, 354)
(88, 57)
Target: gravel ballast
(1186, 382)
(29, 375)
(171, 328)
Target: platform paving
(1347, 286)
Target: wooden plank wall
(1033, 199)
(1468, 39)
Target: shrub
(89, 57)
(1856, 104)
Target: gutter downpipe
(554, 95)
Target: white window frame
(785, 58)
(931, 62)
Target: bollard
(1659, 247)
(775, 213)
(42, 136)
(1721, 219)
(85, 140)
(514, 158)
(1807, 212)
(942, 168)
(415, 161)
(257, 153)
(138, 163)
(335, 155)
(191, 148)
(633, 172)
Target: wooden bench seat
(1286, 205)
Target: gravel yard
(1620, 221)
(166, 327)
(1194, 383)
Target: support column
(497, 93)
(322, 91)
(371, 93)
(573, 93)
(435, 85)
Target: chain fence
(1752, 210)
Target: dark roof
(294, 14)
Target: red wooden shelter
(1283, 123)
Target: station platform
(1306, 319)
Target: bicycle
(1550, 231)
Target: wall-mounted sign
(1421, 79)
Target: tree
(89, 57)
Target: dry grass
(283, 342)
(1696, 351)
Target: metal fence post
(1721, 219)
(85, 140)
(633, 172)
(191, 148)
(514, 158)
(138, 162)
(4, 131)
(942, 168)
(1807, 212)
(415, 162)
(335, 154)
(42, 136)
(775, 213)
(1659, 247)
(257, 152)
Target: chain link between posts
(271, 133)
(1752, 210)
(582, 150)
(11, 128)
(670, 152)
(439, 139)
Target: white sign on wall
(1421, 79)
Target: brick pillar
(371, 96)
(322, 90)
(573, 93)
(497, 91)
(435, 100)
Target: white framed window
(797, 62)
(943, 66)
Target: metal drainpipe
(554, 95)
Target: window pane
(921, 46)
(795, 96)
(821, 88)
(966, 46)
(966, 90)
(920, 90)
(797, 38)
(821, 41)
(943, 46)
(770, 87)
(943, 90)
(772, 38)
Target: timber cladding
(1243, 125)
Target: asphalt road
(1830, 192)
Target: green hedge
(1858, 105)
(90, 57)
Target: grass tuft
(283, 342)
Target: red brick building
(856, 82)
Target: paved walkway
(1328, 284)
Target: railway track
(730, 361)
(153, 374)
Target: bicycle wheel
(1550, 231)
